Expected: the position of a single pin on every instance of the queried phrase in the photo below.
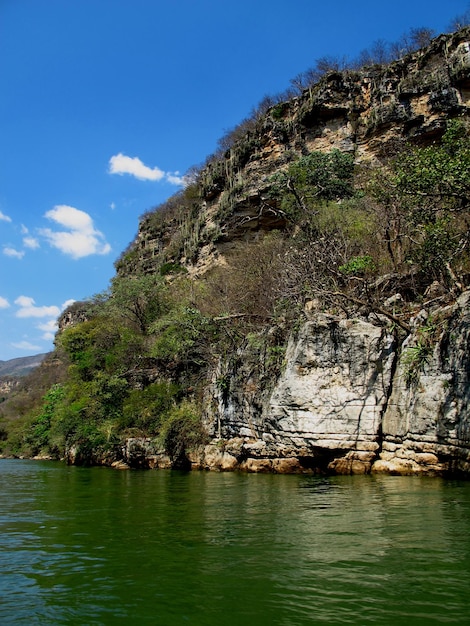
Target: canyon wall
(350, 394)
(369, 113)
(350, 399)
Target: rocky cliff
(370, 113)
(351, 400)
(352, 395)
(426, 425)
(368, 374)
(324, 411)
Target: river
(96, 546)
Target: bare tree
(460, 21)
(413, 40)
(324, 65)
(378, 54)
(421, 37)
(304, 80)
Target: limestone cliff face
(325, 409)
(7, 385)
(346, 403)
(334, 390)
(426, 427)
(367, 113)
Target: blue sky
(105, 104)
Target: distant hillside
(21, 366)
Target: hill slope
(20, 366)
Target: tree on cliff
(137, 299)
(422, 204)
(460, 21)
(312, 179)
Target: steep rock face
(426, 428)
(347, 402)
(7, 385)
(324, 411)
(366, 113)
(73, 314)
(333, 392)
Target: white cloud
(49, 329)
(122, 164)
(31, 242)
(11, 252)
(28, 308)
(81, 239)
(24, 230)
(175, 179)
(26, 345)
(4, 304)
(4, 218)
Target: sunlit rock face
(426, 427)
(330, 365)
(325, 410)
(345, 399)
(351, 400)
(332, 393)
(368, 113)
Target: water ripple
(98, 547)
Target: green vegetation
(310, 180)
(423, 204)
(181, 431)
(358, 266)
(415, 357)
(140, 356)
(144, 410)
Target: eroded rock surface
(349, 401)
(426, 428)
(325, 410)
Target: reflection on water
(97, 546)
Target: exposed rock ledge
(426, 427)
(346, 403)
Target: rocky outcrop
(323, 413)
(352, 395)
(350, 399)
(426, 427)
(74, 314)
(333, 392)
(368, 113)
(135, 453)
(7, 385)
(144, 453)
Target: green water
(99, 546)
